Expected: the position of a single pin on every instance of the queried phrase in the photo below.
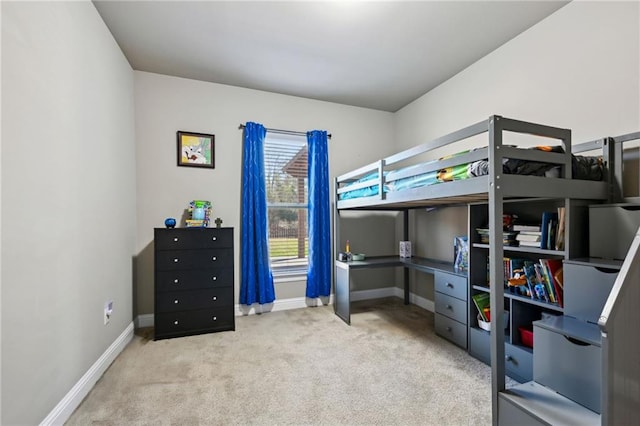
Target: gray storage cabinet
(451, 307)
(568, 359)
(611, 229)
(587, 284)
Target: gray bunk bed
(475, 176)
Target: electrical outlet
(108, 311)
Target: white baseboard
(146, 320)
(282, 305)
(63, 410)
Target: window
(286, 178)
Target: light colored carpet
(297, 367)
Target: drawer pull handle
(508, 358)
(449, 285)
(449, 307)
(215, 298)
(215, 278)
(175, 281)
(175, 260)
(449, 329)
(214, 238)
(175, 322)
(175, 239)
(176, 302)
(576, 341)
(215, 318)
(214, 258)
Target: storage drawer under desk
(194, 299)
(453, 285)
(193, 322)
(451, 307)
(451, 330)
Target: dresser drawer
(192, 279)
(170, 260)
(451, 330)
(194, 299)
(451, 307)
(193, 238)
(193, 322)
(453, 285)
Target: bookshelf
(521, 310)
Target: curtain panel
(319, 216)
(256, 283)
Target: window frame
(292, 269)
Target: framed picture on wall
(196, 149)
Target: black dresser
(193, 281)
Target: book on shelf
(535, 244)
(545, 280)
(535, 283)
(529, 236)
(526, 228)
(508, 237)
(549, 221)
(560, 232)
(553, 269)
(481, 300)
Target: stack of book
(549, 234)
(508, 237)
(528, 235)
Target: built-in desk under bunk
(477, 176)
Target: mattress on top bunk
(583, 167)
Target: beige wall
(167, 104)
(577, 69)
(68, 200)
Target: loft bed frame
(477, 189)
(493, 188)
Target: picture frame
(196, 149)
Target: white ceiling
(372, 54)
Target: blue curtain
(256, 284)
(319, 275)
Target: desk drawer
(451, 330)
(451, 307)
(453, 285)
(195, 299)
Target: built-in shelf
(524, 249)
(553, 306)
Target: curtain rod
(284, 132)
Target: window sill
(287, 277)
